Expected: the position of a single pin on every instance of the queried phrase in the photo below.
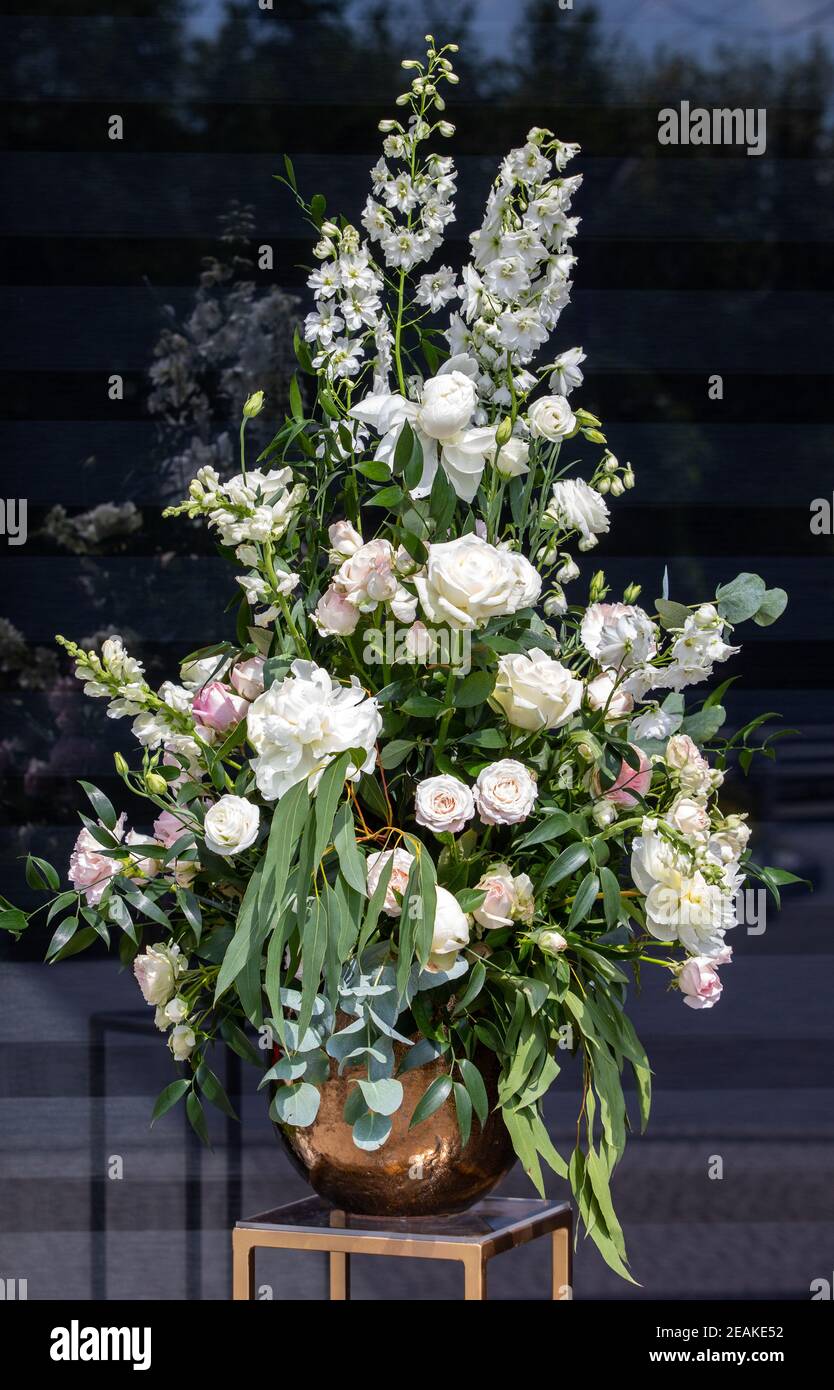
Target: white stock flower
(534, 691)
(301, 723)
(157, 970)
(655, 723)
(618, 635)
(231, 825)
(577, 507)
(551, 418)
(468, 581)
(443, 804)
(505, 793)
(451, 931)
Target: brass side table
(492, 1226)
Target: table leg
(243, 1265)
(475, 1276)
(561, 1256)
(339, 1275)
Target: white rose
(397, 883)
(182, 1042)
(604, 693)
(505, 793)
(447, 405)
(157, 970)
(536, 692)
(468, 581)
(334, 614)
(345, 540)
(443, 804)
(692, 769)
(301, 723)
(618, 635)
(690, 818)
(577, 507)
(175, 1011)
(451, 931)
(231, 825)
(551, 418)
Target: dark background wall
(139, 258)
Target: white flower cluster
(368, 574)
(410, 212)
(253, 507)
(696, 649)
(115, 676)
(518, 283)
(347, 287)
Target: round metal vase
(418, 1172)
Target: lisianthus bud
(632, 593)
(156, 784)
(253, 405)
(617, 488)
(597, 588)
(121, 766)
(504, 431)
(595, 436)
(628, 476)
(604, 814)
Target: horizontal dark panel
(639, 398)
(605, 263)
(120, 192)
(349, 122)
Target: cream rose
(504, 793)
(182, 1042)
(552, 941)
(231, 825)
(536, 692)
(248, 677)
(468, 581)
(699, 983)
(689, 817)
(451, 931)
(397, 883)
(508, 898)
(443, 804)
(551, 418)
(157, 970)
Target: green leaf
(432, 1098)
(567, 863)
(418, 912)
(771, 607)
(383, 1097)
(705, 723)
(13, 920)
(236, 1039)
(584, 900)
(190, 909)
(672, 615)
(102, 806)
(474, 985)
(296, 1104)
(520, 1131)
(169, 1098)
(296, 403)
(556, 824)
(423, 1052)
(741, 598)
(396, 752)
(213, 1091)
(463, 1107)
(375, 906)
(474, 1083)
(327, 799)
(64, 933)
(313, 951)
(389, 497)
(196, 1118)
(475, 689)
(371, 1131)
(238, 950)
(40, 874)
(375, 469)
(351, 859)
(149, 908)
(610, 896)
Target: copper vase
(419, 1172)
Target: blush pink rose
(248, 677)
(630, 783)
(334, 615)
(699, 984)
(90, 870)
(217, 707)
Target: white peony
(618, 635)
(577, 507)
(451, 931)
(536, 692)
(468, 581)
(157, 970)
(301, 723)
(443, 804)
(505, 793)
(551, 418)
(231, 825)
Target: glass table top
(486, 1219)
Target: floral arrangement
(423, 789)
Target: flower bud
(504, 432)
(155, 784)
(604, 814)
(329, 229)
(597, 588)
(603, 486)
(446, 129)
(617, 488)
(595, 436)
(253, 405)
(567, 571)
(323, 249)
(628, 476)
(555, 604)
(403, 99)
(552, 942)
(121, 765)
(386, 126)
(632, 593)
(609, 462)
